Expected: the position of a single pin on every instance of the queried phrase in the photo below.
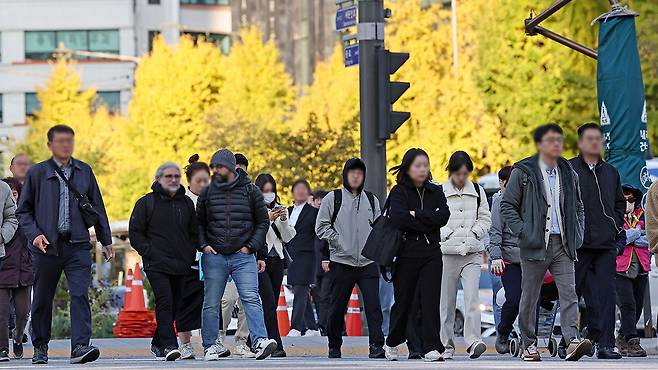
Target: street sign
(351, 55)
(345, 18)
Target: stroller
(547, 311)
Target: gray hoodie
(8, 220)
(502, 243)
(349, 233)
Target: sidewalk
(298, 346)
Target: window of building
(154, 2)
(40, 45)
(152, 36)
(110, 99)
(32, 104)
(222, 41)
(205, 2)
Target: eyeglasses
(554, 140)
(169, 177)
(63, 141)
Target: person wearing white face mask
(269, 281)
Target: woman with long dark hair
(269, 281)
(418, 208)
(188, 317)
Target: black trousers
(425, 275)
(510, 310)
(168, 290)
(414, 326)
(188, 315)
(595, 281)
(75, 262)
(343, 278)
(302, 309)
(320, 293)
(630, 299)
(269, 288)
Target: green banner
(621, 100)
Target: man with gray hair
(164, 231)
(233, 222)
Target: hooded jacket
(348, 235)
(232, 215)
(165, 236)
(525, 208)
(468, 225)
(503, 244)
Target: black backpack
(384, 242)
(338, 201)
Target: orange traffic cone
(353, 324)
(134, 320)
(129, 288)
(282, 314)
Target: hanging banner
(621, 100)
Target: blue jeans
(216, 270)
(496, 284)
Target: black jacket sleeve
(620, 204)
(510, 206)
(137, 228)
(437, 217)
(202, 220)
(322, 246)
(25, 212)
(193, 226)
(401, 216)
(103, 232)
(261, 223)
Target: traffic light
(389, 92)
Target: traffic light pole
(373, 150)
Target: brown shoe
(577, 349)
(622, 345)
(531, 353)
(635, 349)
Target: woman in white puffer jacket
(462, 246)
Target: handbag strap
(75, 192)
(387, 206)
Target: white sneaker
(216, 351)
(242, 351)
(433, 356)
(312, 333)
(264, 347)
(186, 351)
(391, 353)
(294, 333)
(448, 353)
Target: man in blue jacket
(49, 215)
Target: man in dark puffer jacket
(233, 222)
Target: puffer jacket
(503, 244)
(232, 215)
(468, 225)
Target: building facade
(31, 31)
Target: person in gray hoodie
(344, 220)
(503, 249)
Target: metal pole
(373, 150)
(566, 42)
(532, 23)
(455, 45)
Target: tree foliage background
(190, 98)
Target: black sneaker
(415, 356)
(279, 353)
(40, 356)
(376, 351)
(4, 355)
(502, 344)
(334, 353)
(25, 338)
(171, 354)
(158, 353)
(82, 354)
(607, 353)
(18, 350)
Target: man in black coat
(164, 231)
(49, 214)
(302, 269)
(605, 205)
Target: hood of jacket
(351, 164)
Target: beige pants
(229, 300)
(467, 268)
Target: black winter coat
(232, 215)
(302, 250)
(421, 232)
(602, 222)
(16, 270)
(166, 236)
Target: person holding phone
(269, 281)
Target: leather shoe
(607, 353)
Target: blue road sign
(345, 18)
(351, 55)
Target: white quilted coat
(465, 232)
